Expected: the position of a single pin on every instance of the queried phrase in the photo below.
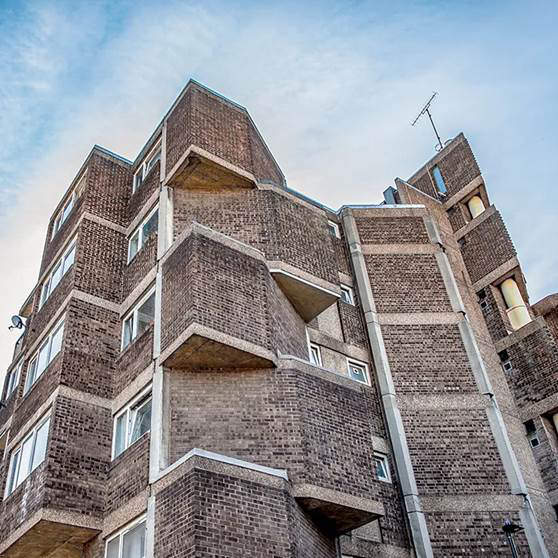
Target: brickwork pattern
(391, 230)
(493, 312)
(487, 247)
(139, 198)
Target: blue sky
(333, 87)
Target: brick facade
(250, 449)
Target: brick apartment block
(214, 365)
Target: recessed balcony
(198, 169)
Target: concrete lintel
(409, 248)
(126, 513)
(95, 300)
(325, 340)
(495, 275)
(472, 503)
(418, 318)
(474, 223)
(381, 445)
(443, 401)
(520, 334)
(104, 222)
(399, 210)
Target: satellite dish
(17, 322)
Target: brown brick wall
(143, 262)
(128, 474)
(352, 323)
(407, 283)
(391, 230)
(139, 198)
(493, 313)
(487, 247)
(453, 452)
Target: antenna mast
(426, 110)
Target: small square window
(315, 354)
(381, 467)
(333, 229)
(358, 371)
(347, 294)
(532, 435)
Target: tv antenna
(426, 110)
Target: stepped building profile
(214, 365)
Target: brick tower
(214, 365)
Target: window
(48, 349)
(12, 379)
(60, 268)
(132, 422)
(532, 433)
(439, 180)
(505, 360)
(358, 371)
(482, 299)
(381, 467)
(315, 354)
(128, 542)
(26, 457)
(333, 229)
(139, 319)
(347, 295)
(148, 163)
(68, 205)
(142, 233)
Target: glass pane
(56, 276)
(134, 246)
(25, 460)
(68, 208)
(40, 445)
(138, 179)
(128, 331)
(13, 471)
(141, 420)
(112, 548)
(314, 356)
(31, 374)
(146, 312)
(120, 435)
(69, 259)
(42, 361)
(156, 157)
(150, 226)
(45, 292)
(134, 542)
(380, 469)
(56, 342)
(357, 373)
(439, 179)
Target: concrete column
(476, 206)
(516, 307)
(415, 515)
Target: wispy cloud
(333, 87)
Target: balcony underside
(49, 538)
(199, 170)
(337, 512)
(307, 298)
(201, 347)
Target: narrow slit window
(347, 295)
(315, 354)
(439, 180)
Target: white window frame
(76, 192)
(145, 167)
(122, 531)
(139, 231)
(333, 225)
(385, 462)
(126, 410)
(15, 464)
(46, 341)
(46, 285)
(350, 294)
(318, 350)
(360, 364)
(13, 377)
(133, 313)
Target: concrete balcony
(215, 300)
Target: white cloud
(333, 91)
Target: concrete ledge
(352, 351)
(498, 273)
(337, 511)
(419, 318)
(464, 192)
(125, 513)
(221, 464)
(96, 301)
(200, 346)
(133, 388)
(309, 295)
(471, 225)
(472, 503)
(289, 362)
(400, 210)
(534, 410)
(147, 206)
(104, 222)
(442, 401)
(139, 290)
(368, 249)
(522, 333)
(49, 531)
(200, 169)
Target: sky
(332, 86)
